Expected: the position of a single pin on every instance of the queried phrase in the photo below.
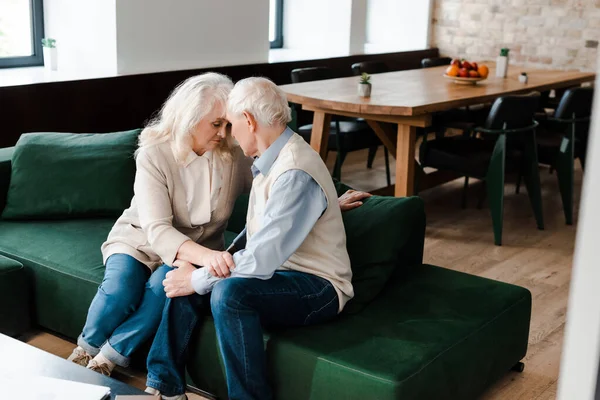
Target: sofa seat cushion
(66, 265)
(440, 334)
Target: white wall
(318, 28)
(397, 25)
(85, 33)
(579, 366)
(159, 35)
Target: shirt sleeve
(295, 204)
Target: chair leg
(532, 178)
(564, 171)
(519, 178)
(371, 157)
(464, 193)
(337, 169)
(388, 175)
(495, 187)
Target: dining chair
(507, 134)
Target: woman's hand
(352, 199)
(218, 263)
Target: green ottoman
(15, 316)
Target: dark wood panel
(126, 102)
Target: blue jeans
(240, 308)
(126, 310)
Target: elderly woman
(189, 174)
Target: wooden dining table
(403, 101)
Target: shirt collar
(192, 156)
(264, 163)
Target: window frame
(278, 42)
(37, 33)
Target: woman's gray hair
(263, 99)
(189, 102)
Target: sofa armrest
(5, 157)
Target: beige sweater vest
(323, 253)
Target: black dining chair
(562, 137)
(507, 142)
(435, 62)
(369, 67)
(345, 134)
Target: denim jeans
(126, 310)
(240, 307)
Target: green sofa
(432, 333)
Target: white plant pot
(364, 89)
(50, 58)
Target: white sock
(176, 397)
(100, 359)
(152, 391)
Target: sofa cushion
(65, 262)
(376, 233)
(57, 175)
(440, 334)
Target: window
(397, 25)
(21, 31)
(276, 24)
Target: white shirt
(202, 180)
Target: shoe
(80, 357)
(103, 369)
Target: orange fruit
(452, 70)
(474, 74)
(483, 71)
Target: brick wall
(561, 34)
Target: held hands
(218, 263)
(352, 199)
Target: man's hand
(218, 263)
(179, 281)
(352, 199)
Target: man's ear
(251, 121)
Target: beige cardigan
(157, 223)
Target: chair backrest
(435, 62)
(369, 67)
(513, 112)
(311, 74)
(576, 101)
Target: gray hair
(263, 99)
(189, 102)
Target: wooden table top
(421, 91)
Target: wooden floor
(462, 239)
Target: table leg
(405, 160)
(320, 133)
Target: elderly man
(293, 271)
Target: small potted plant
(523, 78)
(50, 54)
(364, 86)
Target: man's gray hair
(263, 99)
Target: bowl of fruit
(466, 72)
